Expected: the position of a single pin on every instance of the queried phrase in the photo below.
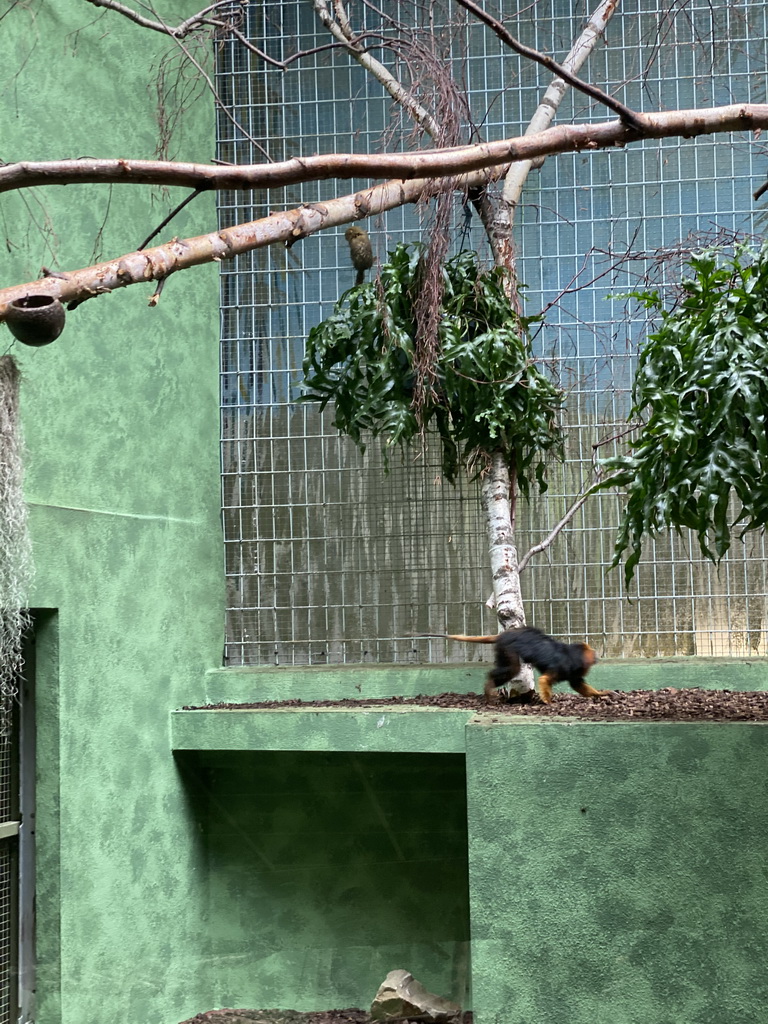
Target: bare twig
(618, 261)
(628, 117)
(340, 29)
(558, 529)
(620, 435)
(209, 82)
(201, 20)
(171, 215)
(186, 27)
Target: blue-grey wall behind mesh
(331, 560)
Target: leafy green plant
(701, 393)
(476, 387)
(487, 394)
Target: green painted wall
(300, 876)
(634, 886)
(331, 682)
(121, 424)
(327, 870)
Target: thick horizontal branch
(159, 262)
(426, 163)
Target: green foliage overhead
(701, 391)
(488, 394)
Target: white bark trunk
(500, 229)
(545, 112)
(497, 495)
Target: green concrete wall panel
(338, 682)
(382, 728)
(120, 416)
(327, 870)
(334, 682)
(301, 875)
(617, 872)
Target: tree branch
(425, 163)
(289, 227)
(557, 530)
(209, 82)
(629, 117)
(553, 97)
(166, 220)
(340, 29)
(179, 32)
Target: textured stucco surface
(384, 729)
(617, 872)
(121, 426)
(327, 870)
(357, 681)
(301, 876)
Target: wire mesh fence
(330, 559)
(8, 877)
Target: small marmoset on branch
(360, 251)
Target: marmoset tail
(360, 251)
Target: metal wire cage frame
(328, 558)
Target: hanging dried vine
(15, 556)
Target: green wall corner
(120, 418)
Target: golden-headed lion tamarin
(557, 662)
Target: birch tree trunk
(507, 594)
(498, 492)
(553, 97)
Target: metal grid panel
(7, 933)
(8, 883)
(331, 560)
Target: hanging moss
(15, 558)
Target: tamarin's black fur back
(557, 662)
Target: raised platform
(333, 682)
(381, 728)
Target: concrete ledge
(333, 682)
(387, 729)
(338, 682)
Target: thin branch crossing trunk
(500, 230)
(553, 97)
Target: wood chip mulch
(681, 705)
(352, 1016)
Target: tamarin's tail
(460, 636)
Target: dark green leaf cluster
(488, 393)
(701, 390)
